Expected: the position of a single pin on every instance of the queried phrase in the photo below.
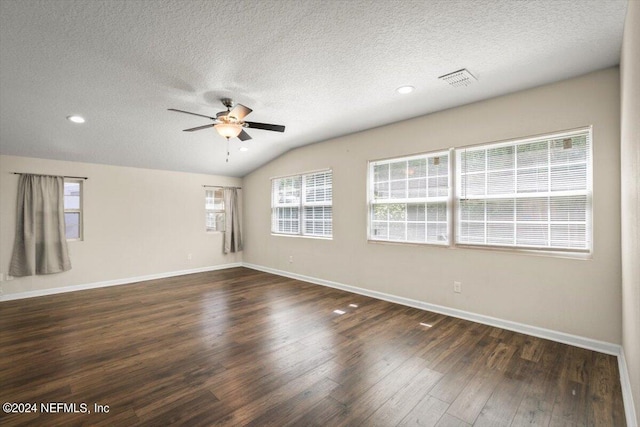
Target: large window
(302, 204)
(73, 209)
(214, 209)
(409, 199)
(533, 193)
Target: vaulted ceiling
(321, 68)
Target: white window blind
(534, 193)
(214, 209)
(73, 208)
(409, 199)
(317, 204)
(302, 204)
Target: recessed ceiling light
(405, 89)
(76, 119)
(244, 148)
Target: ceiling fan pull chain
(227, 150)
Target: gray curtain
(232, 222)
(40, 246)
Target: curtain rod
(64, 176)
(220, 186)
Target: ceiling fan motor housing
(227, 102)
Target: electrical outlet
(189, 256)
(290, 259)
(457, 287)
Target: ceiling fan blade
(199, 127)
(193, 114)
(243, 136)
(265, 126)
(240, 111)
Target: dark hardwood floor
(240, 347)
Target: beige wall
(630, 178)
(137, 222)
(581, 297)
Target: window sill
(302, 236)
(426, 244)
(580, 256)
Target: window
(533, 194)
(409, 199)
(73, 209)
(214, 209)
(302, 204)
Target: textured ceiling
(322, 68)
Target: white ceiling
(321, 68)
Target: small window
(73, 209)
(214, 209)
(531, 194)
(409, 199)
(302, 205)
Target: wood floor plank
(361, 408)
(472, 335)
(537, 403)
(426, 413)
(245, 388)
(393, 411)
(454, 380)
(474, 396)
(241, 347)
(320, 414)
(532, 349)
(178, 408)
(356, 379)
(451, 421)
(570, 407)
(292, 409)
(602, 386)
(246, 410)
(505, 400)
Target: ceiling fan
(230, 123)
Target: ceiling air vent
(458, 78)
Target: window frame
(453, 203)
(79, 210)
(587, 192)
(300, 205)
(214, 211)
(427, 199)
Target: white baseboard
(627, 396)
(116, 282)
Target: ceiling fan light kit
(228, 130)
(230, 124)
